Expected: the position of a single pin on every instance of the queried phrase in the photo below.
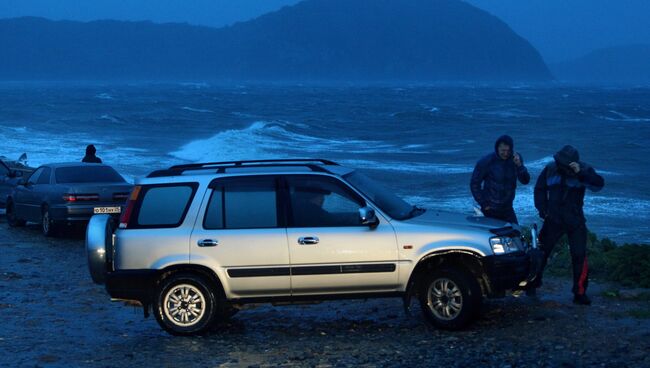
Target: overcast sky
(559, 29)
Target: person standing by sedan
(91, 155)
(494, 180)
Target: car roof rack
(313, 164)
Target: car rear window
(165, 206)
(87, 174)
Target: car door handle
(208, 243)
(306, 240)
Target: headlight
(503, 245)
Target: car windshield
(385, 199)
(87, 174)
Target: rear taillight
(80, 197)
(126, 215)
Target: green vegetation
(639, 313)
(616, 294)
(627, 264)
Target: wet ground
(53, 315)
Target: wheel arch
(200, 270)
(465, 260)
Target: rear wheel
(450, 299)
(185, 305)
(12, 219)
(48, 226)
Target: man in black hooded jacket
(91, 155)
(559, 198)
(494, 180)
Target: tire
(12, 220)
(450, 299)
(48, 227)
(185, 305)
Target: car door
(25, 198)
(42, 189)
(331, 251)
(242, 235)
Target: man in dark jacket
(494, 180)
(559, 198)
(90, 155)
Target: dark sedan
(61, 194)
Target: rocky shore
(53, 315)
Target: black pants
(551, 232)
(503, 215)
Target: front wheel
(185, 305)
(450, 299)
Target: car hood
(437, 218)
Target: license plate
(100, 210)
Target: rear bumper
(131, 284)
(505, 272)
(79, 212)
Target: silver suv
(197, 242)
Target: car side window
(321, 201)
(45, 176)
(245, 203)
(165, 206)
(34, 177)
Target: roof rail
(208, 165)
(222, 166)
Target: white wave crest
(619, 116)
(192, 109)
(111, 118)
(410, 167)
(264, 139)
(104, 96)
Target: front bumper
(505, 272)
(79, 212)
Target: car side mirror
(368, 217)
(22, 181)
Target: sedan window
(87, 174)
(45, 176)
(34, 177)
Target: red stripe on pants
(583, 277)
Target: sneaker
(581, 299)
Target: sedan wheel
(48, 227)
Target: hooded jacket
(90, 156)
(560, 193)
(494, 179)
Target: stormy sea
(421, 141)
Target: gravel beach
(53, 315)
